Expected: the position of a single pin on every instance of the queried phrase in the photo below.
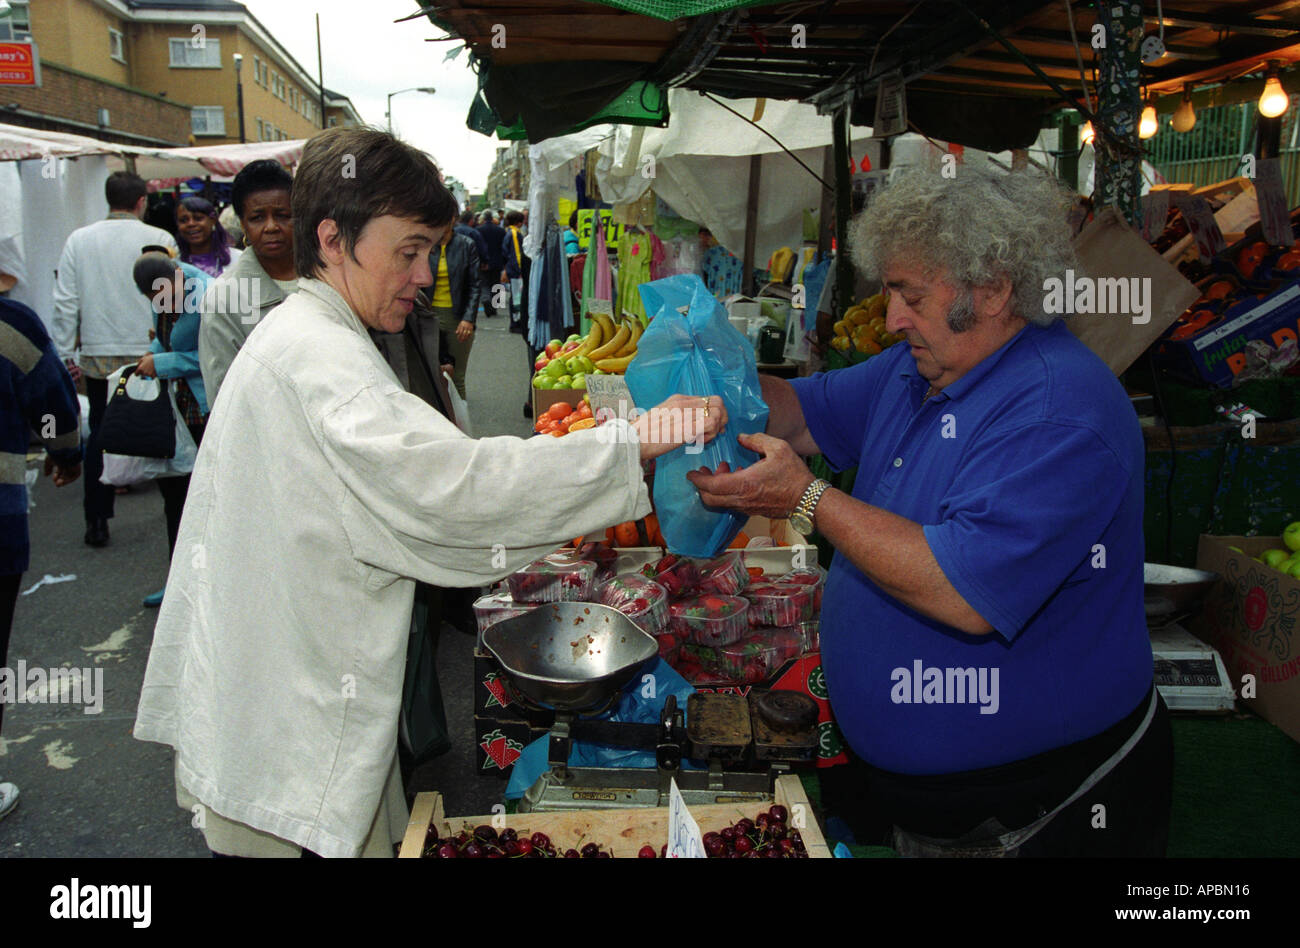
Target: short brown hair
(123, 190)
(353, 175)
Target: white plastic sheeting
(699, 165)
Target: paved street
(89, 788)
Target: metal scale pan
(571, 656)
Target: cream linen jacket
(321, 492)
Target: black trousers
(98, 497)
(1126, 814)
(8, 599)
(174, 490)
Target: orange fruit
(583, 423)
(559, 410)
(626, 534)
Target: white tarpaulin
(699, 165)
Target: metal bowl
(570, 655)
(1175, 589)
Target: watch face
(800, 523)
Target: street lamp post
(239, 94)
(429, 90)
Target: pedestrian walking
(203, 241)
(260, 280)
(174, 290)
(100, 322)
(454, 298)
(36, 393)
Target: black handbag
(136, 428)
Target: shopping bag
(138, 420)
(691, 348)
(123, 470)
(422, 723)
(459, 408)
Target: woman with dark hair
(325, 492)
(174, 290)
(204, 242)
(572, 246)
(261, 279)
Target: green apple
(574, 337)
(1292, 568)
(564, 381)
(1291, 536)
(555, 368)
(1274, 557)
(543, 381)
(597, 372)
(579, 382)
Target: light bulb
(1185, 117)
(1274, 100)
(1086, 134)
(1149, 124)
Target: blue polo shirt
(1026, 474)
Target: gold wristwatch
(801, 518)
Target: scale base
(618, 788)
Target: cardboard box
(1252, 616)
(499, 742)
(1217, 353)
(544, 398)
(493, 697)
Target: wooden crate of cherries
(784, 829)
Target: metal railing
(1213, 149)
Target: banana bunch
(781, 265)
(613, 347)
(862, 329)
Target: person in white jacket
(101, 322)
(323, 491)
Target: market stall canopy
(549, 67)
(222, 162)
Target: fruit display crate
(621, 832)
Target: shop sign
(613, 231)
(19, 65)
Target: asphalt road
(88, 787)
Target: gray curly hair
(981, 225)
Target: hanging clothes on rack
(722, 271)
(635, 257)
(552, 317)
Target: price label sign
(684, 838)
(1155, 210)
(1274, 220)
(586, 219)
(610, 394)
(1204, 228)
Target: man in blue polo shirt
(983, 633)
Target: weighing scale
(1190, 675)
(577, 657)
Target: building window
(208, 120)
(185, 55)
(257, 70)
(17, 23)
(334, 120)
(261, 131)
(116, 46)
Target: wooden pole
(843, 210)
(751, 224)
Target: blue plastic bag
(691, 348)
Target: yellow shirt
(442, 283)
